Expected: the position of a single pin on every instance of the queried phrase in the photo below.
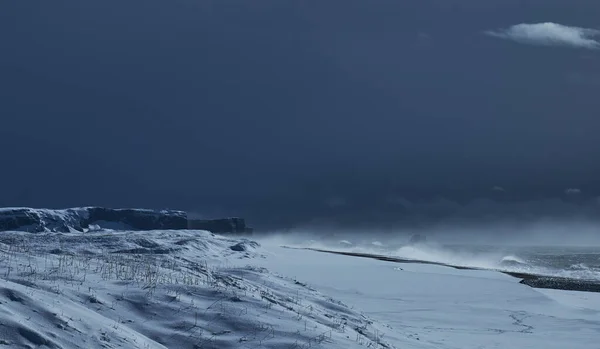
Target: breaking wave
(505, 259)
(582, 266)
(458, 257)
(498, 261)
(466, 256)
(512, 260)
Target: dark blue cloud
(244, 106)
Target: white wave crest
(511, 259)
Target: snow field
(162, 289)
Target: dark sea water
(570, 262)
(573, 262)
(577, 262)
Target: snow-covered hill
(161, 289)
(193, 289)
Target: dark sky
(266, 105)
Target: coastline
(529, 279)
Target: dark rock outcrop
(38, 220)
(138, 219)
(80, 219)
(244, 246)
(220, 226)
(557, 283)
(15, 219)
(90, 218)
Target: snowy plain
(194, 289)
(442, 307)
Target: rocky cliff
(81, 219)
(225, 225)
(86, 218)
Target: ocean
(571, 262)
(574, 262)
(581, 263)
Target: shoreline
(529, 279)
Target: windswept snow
(194, 289)
(443, 307)
(161, 289)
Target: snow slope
(161, 289)
(442, 307)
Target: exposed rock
(244, 246)
(99, 218)
(138, 219)
(220, 226)
(557, 283)
(38, 220)
(240, 247)
(80, 219)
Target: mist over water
(562, 250)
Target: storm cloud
(285, 111)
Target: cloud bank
(550, 34)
